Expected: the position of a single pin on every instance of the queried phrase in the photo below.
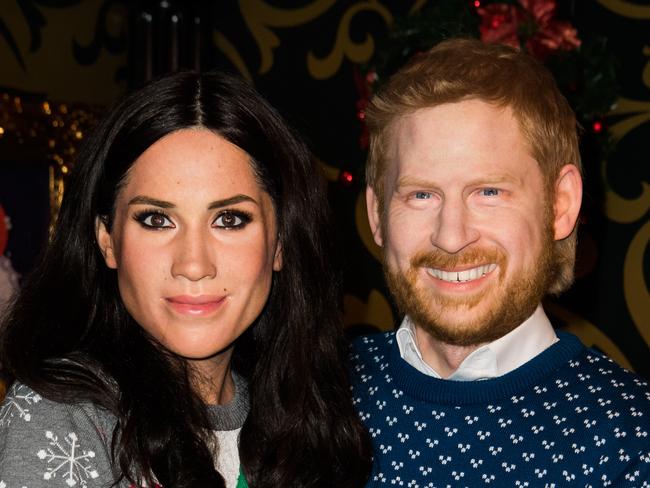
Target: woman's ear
(105, 242)
(277, 258)
(568, 198)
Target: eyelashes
(232, 219)
(153, 219)
(228, 219)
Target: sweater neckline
(430, 389)
(232, 415)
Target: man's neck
(439, 359)
(443, 358)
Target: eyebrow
(408, 181)
(144, 200)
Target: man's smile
(464, 275)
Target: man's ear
(374, 217)
(568, 198)
(277, 257)
(105, 242)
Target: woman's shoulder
(41, 439)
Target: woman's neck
(212, 378)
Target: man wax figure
(474, 190)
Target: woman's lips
(195, 305)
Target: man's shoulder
(368, 346)
(369, 352)
(594, 378)
(598, 367)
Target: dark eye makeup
(226, 219)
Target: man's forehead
(428, 126)
(483, 140)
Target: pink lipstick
(200, 305)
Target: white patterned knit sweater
(568, 418)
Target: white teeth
(461, 276)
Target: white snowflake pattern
(73, 462)
(16, 402)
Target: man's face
(467, 228)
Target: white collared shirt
(497, 358)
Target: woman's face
(194, 243)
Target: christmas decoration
(346, 178)
(33, 128)
(584, 67)
(531, 22)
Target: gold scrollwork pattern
(626, 9)
(259, 17)
(231, 53)
(632, 210)
(376, 311)
(617, 208)
(357, 52)
(588, 333)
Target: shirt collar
(497, 358)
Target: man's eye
(422, 195)
(232, 220)
(155, 220)
(489, 192)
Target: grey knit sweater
(49, 444)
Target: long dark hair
(69, 336)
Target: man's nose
(194, 259)
(454, 228)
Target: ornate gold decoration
(634, 284)
(617, 208)
(646, 70)
(376, 311)
(588, 333)
(357, 52)
(231, 53)
(259, 16)
(417, 6)
(626, 9)
(627, 211)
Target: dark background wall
(62, 62)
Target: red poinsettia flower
(531, 23)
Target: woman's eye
(422, 195)
(155, 220)
(489, 192)
(231, 220)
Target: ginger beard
(512, 300)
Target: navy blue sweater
(569, 417)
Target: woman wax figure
(182, 328)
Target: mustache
(443, 260)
